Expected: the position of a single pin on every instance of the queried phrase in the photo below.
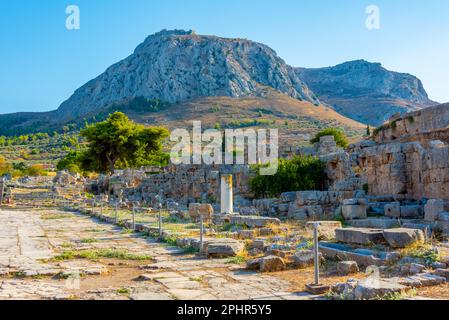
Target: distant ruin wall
(407, 169)
(427, 124)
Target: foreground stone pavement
(30, 239)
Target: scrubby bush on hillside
(340, 137)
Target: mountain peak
(176, 65)
(366, 91)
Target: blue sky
(42, 63)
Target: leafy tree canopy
(118, 142)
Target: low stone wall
(184, 184)
(427, 124)
(407, 169)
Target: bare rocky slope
(178, 67)
(366, 91)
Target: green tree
(339, 136)
(118, 142)
(368, 130)
(298, 174)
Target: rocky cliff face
(176, 66)
(366, 91)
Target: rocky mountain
(176, 66)
(366, 91)
(170, 70)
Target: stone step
(363, 236)
(375, 223)
(361, 256)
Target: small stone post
(227, 198)
(201, 230)
(116, 210)
(316, 254)
(134, 217)
(160, 219)
(2, 191)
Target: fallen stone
(351, 212)
(345, 268)
(222, 248)
(271, 264)
(247, 234)
(429, 280)
(359, 235)
(438, 265)
(442, 273)
(402, 237)
(374, 223)
(200, 209)
(259, 244)
(372, 288)
(305, 258)
(254, 221)
(266, 264)
(326, 229)
(337, 251)
(416, 268)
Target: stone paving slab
(26, 239)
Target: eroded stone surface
(27, 238)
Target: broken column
(226, 194)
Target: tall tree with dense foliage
(340, 137)
(118, 142)
(298, 174)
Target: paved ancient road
(28, 239)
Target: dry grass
(437, 292)
(300, 277)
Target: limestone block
(345, 268)
(255, 221)
(359, 235)
(222, 248)
(412, 211)
(402, 237)
(371, 288)
(305, 258)
(326, 229)
(295, 212)
(392, 210)
(204, 209)
(375, 223)
(351, 212)
(266, 264)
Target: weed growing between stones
(88, 240)
(425, 252)
(241, 258)
(50, 216)
(124, 291)
(102, 253)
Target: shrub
(340, 138)
(36, 170)
(298, 174)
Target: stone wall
(408, 169)
(426, 124)
(184, 183)
(406, 159)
